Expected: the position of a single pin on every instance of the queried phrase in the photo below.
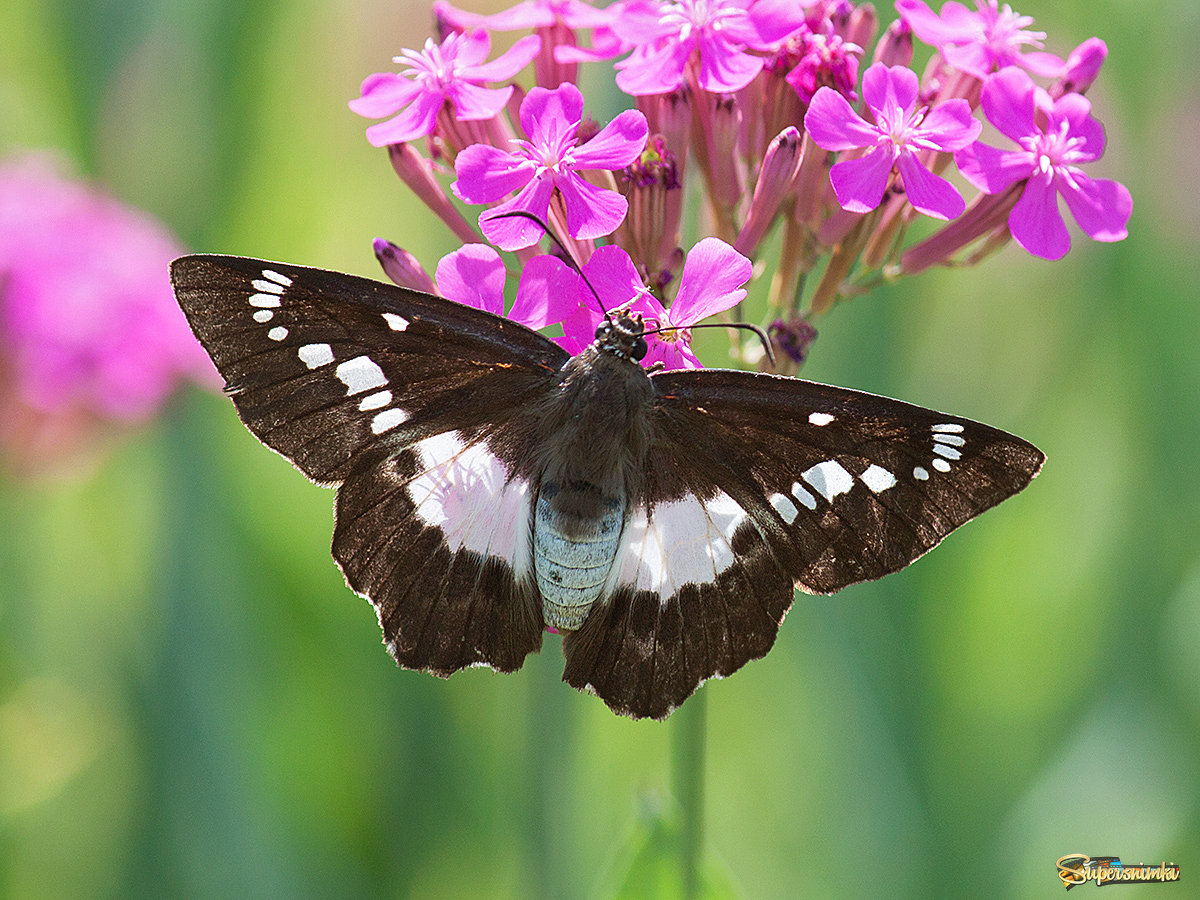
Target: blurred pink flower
(89, 325)
(983, 41)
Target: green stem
(687, 763)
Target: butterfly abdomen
(595, 432)
(576, 534)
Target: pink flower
(712, 281)
(554, 21)
(474, 276)
(1055, 138)
(718, 32)
(453, 72)
(548, 164)
(88, 323)
(980, 42)
(900, 131)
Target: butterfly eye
(639, 349)
(603, 330)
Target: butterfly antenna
(745, 326)
(567, 254)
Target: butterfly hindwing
(755, 482)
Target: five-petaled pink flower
(1055, 138)
(712, 280)
(453, 72)
(900, 131)
(548, 162)
(983, 41)
(474, 276)
(667, 34)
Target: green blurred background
(192, 704)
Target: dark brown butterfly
(492, 486)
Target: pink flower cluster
(763, 101)
(89, 329)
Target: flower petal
(950, 126)
(928, 193)
(956, 23)
(1100, 206)
(1076, 111)
(992, 170)
(592, 211)
(383, 94)
(417, 121)
(612, 275)
(1008, 102)
(654, 71)
(859, 183)
(468, 48)
(712, 279)
(834, 125)
(1036, 223)
(891, 91)
(507, 64)
(518, 232)
(487, 173)
(473, 275)
(546, 114)
(472, 102)
(548, 293)
(618, 143)
(725, 68)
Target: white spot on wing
(315, 355)
(785, 507)
(264, 301)
(877, 478)
(263, 315)
(921, 474)
(395, 322)
(819, 418)
(941, 465)
(278, 333)
(275, 276)
(387, 419)
(952, 439)
(685, 541)
(360, 374)
(805, 498)
(375, 401)
(467, 493)
(948, 452)
(269, 287)
(829, 479)
(952, 427)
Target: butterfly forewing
(322, 365)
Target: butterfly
(491, 486)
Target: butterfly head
(623, 336)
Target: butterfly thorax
(596, 432)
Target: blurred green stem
(687, 783)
